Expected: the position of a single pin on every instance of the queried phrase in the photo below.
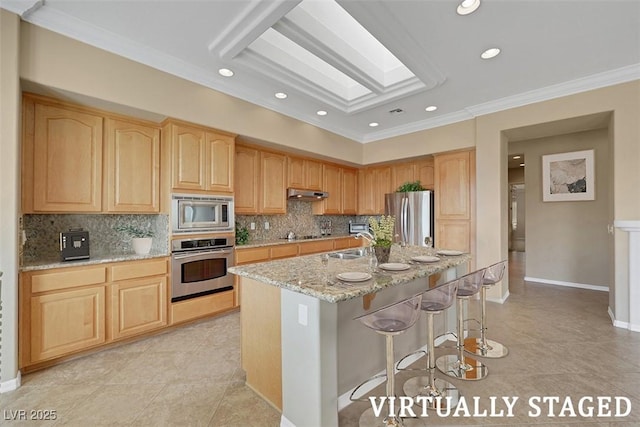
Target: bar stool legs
(458, 365)
(483, 346)
(430, 385)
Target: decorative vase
(141, 245)
(382, 254)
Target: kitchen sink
(349, 254)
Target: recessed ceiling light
(490, 53)
(431, 108)
(468, 6)
(516, 157)
(321, 113)
(374, 124)
(521, 164)
(225, 72)
(280, 95)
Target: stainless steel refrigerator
(414, 215)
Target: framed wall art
(568, 177)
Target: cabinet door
(67, 160)
(296, 176)
(349, 191)
(65, 322)
(452, 182)
(403, 173)
(313, 175)
(383, 185)
(273, 195)
(424, 173)
(220, 153)
(247, 170)
(132, 165)
(366, 192)
(332, 184)
(453, 234)
(188, 158)
(138, 306)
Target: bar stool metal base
(368, 419)
(470, 370)
(421, 386)
(493, 349)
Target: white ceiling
(312, 52)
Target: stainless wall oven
(197, 213)
(199, 266)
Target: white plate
(395, 266)
(449, 252)
(425, 258)
(354, 276)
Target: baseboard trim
(567, 284)
(620, 324)
(10, 385)
(501, 300)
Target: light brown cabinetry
(402, 173)
(260, 181)
(373, 184)
(201, 158)
(342, 186)
(424, 173)
(349, 191)
(62, 158)
(132, 167)
(304, 174)
(454, 182)
(67, 310)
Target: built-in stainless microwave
(194, 213)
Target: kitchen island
(302, 350)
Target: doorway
(517, 218)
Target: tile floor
(561, 343)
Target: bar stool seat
(390, 321)
(482, 346)
(458, 365)
(434, 301)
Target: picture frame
(568, 177)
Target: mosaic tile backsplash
(299, 219)
(42, 232)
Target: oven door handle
(199, 254)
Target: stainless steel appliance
(201, 213)
(199, 266)
(74, 244)
(414, 215)
(296, 194)
(358, 227)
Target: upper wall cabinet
(373, 184)
(201, 158)
(260, 181)
(304, 174)
(132, 167)
(62, 158)
(341, 184)
(77, 159)
(417, 170)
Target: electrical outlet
(266, 225)
(252, 225)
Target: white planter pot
(141, 245)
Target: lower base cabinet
(138, 306)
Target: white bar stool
(482, 346)
(458, 365)
(390, 321)
(434, 301)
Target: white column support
(633, 228)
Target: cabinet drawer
(246, 256)
(67, 279)
(284, 251)
(132, 270)
(315, 247)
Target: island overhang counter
(301, 349)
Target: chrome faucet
(366, 235)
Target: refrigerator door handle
(405, 219)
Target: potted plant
(410, 186)
(382, 232)
(242, 235)
(141, 239)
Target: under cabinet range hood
(297, 194)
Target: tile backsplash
(42, 232)
(299, 219)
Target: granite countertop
(307, 275)
(271, 242)
(56, 263)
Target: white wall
(9, 177)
